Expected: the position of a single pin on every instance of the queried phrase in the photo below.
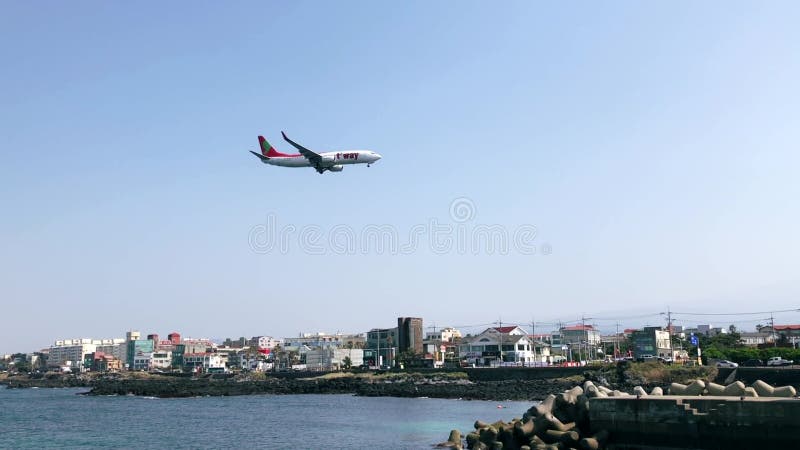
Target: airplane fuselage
(329, 159)
(320, 161)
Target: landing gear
(369, 165)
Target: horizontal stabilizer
(260, 156)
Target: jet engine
(336, 168)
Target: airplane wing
(314, 157)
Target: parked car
(646, 358)
(726, 363)
(665, 359)
(778, 361)
(753, 363)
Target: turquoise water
(59, 418)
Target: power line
(735, 314)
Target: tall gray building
(409, 335)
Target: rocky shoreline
(533, 385)
(165, 388)
(399, 385)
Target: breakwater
(702, 416)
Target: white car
(726, 363)
(778, 361)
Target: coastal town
(412, 345)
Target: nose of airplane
(378, 156)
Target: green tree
(22, 366)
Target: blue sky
(653, 147)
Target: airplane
(330, 161)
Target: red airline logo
(347, 156)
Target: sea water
(61, 418)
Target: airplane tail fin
(266, 149)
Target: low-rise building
(441, 347)
(139, 351)
(250, 362)
(501, 346)
(323, 340)
(381, 347)
(788, 333)
(652, 341)
(198, 345)
(161, 360)
(755, 339)
(101, 362)
(203, 362)
(333, 358)
(707, 329)
(264, 344)
(577, 342)
(447, 334)
(141, 361)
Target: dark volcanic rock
(46, 381)
(193, 387)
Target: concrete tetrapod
(696, 387)
(453, 442)
(657, 391)
(765, 390)
(557, 423)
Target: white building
(755, 339)
(71, 352)
(142, 361)
(313, 340)
(444, 335)
(205, 361)
(264, 342)
(254, 363)
(509, 345)
(333, 358)
(161, 360)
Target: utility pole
(500, 322)
(585, 335)
(616, 343)
(533, 339)
(561, 338)
(772, 324)
(669, 322)
(669, 331)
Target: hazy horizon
(635, 157)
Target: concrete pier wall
(688, 422)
